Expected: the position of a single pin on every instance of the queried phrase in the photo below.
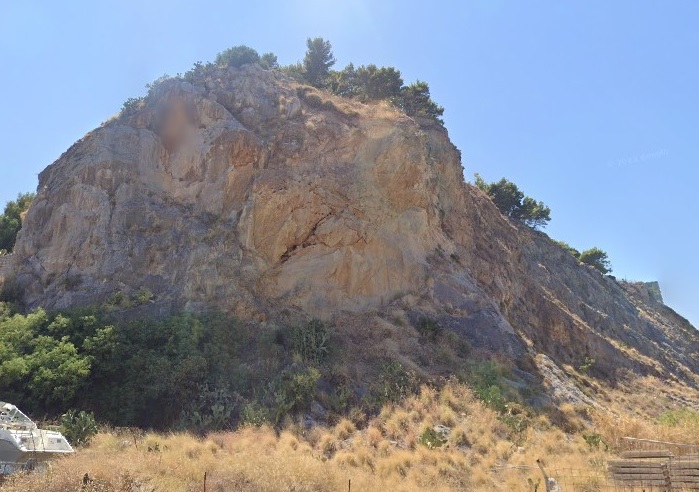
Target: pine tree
(317, 62)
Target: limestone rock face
(246, 191)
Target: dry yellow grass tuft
(478, 452)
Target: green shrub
(311, 341)
(123, 370)
(431, 439)
(294, 391)
(269, 61)
(511, 202)
(587, 365)
(596, 258)
(683, 416)
(429, 329)
(487, 380)
(594, 440)
(42, 370)
(211, 410)
(533, 485)
(516, 424)
(254, 414)
(11, 292)
(568, 248)
(11, 220)
(482, 374)
(199, 72)
(133, 105)
(78, 427)
(492, 397)
(143, 296)
(118, 300)
(121, 300)
(237, 56)
(395, 383)
(415, 101)
(366, 82)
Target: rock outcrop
(244, 190)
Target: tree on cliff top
(597, 258)
(11, 220)
(317, 62)
(415, 100)
(511, 202)
(594, 257)
(238, 56)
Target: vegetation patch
(429, 329)
(594, 257)
(79, 427)
(11, 220)
(514, 204)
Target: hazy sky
(590, 106)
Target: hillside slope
(243, 190)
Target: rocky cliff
(244, 190)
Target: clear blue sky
(591, 106)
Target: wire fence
(643, 465)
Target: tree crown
(11, 220)
(238, 56)
(511, 202)
(317, 61)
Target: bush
(199, 72)
(36, 367)
(78, 427)
(11, 220)
(132, 105)
(269, 61)
(415, 101)
(429, 329)
(395, 383)
(568, 248)
(237, 56)
(310, 341)
(11, 292)
(121, 300)
(366, 82)
(294, 391)
(210, 411)
(684, 416)
(254, 414)
(486, 380)
(118, 300)
(596, 258)
(492, 397)
(511, 202)
(594, 440)
(517, 424)
(431, 439)
(143, 296)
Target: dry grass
(480, 453)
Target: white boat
(22, 443)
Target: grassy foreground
(397, 450)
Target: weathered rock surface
(250, 193)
